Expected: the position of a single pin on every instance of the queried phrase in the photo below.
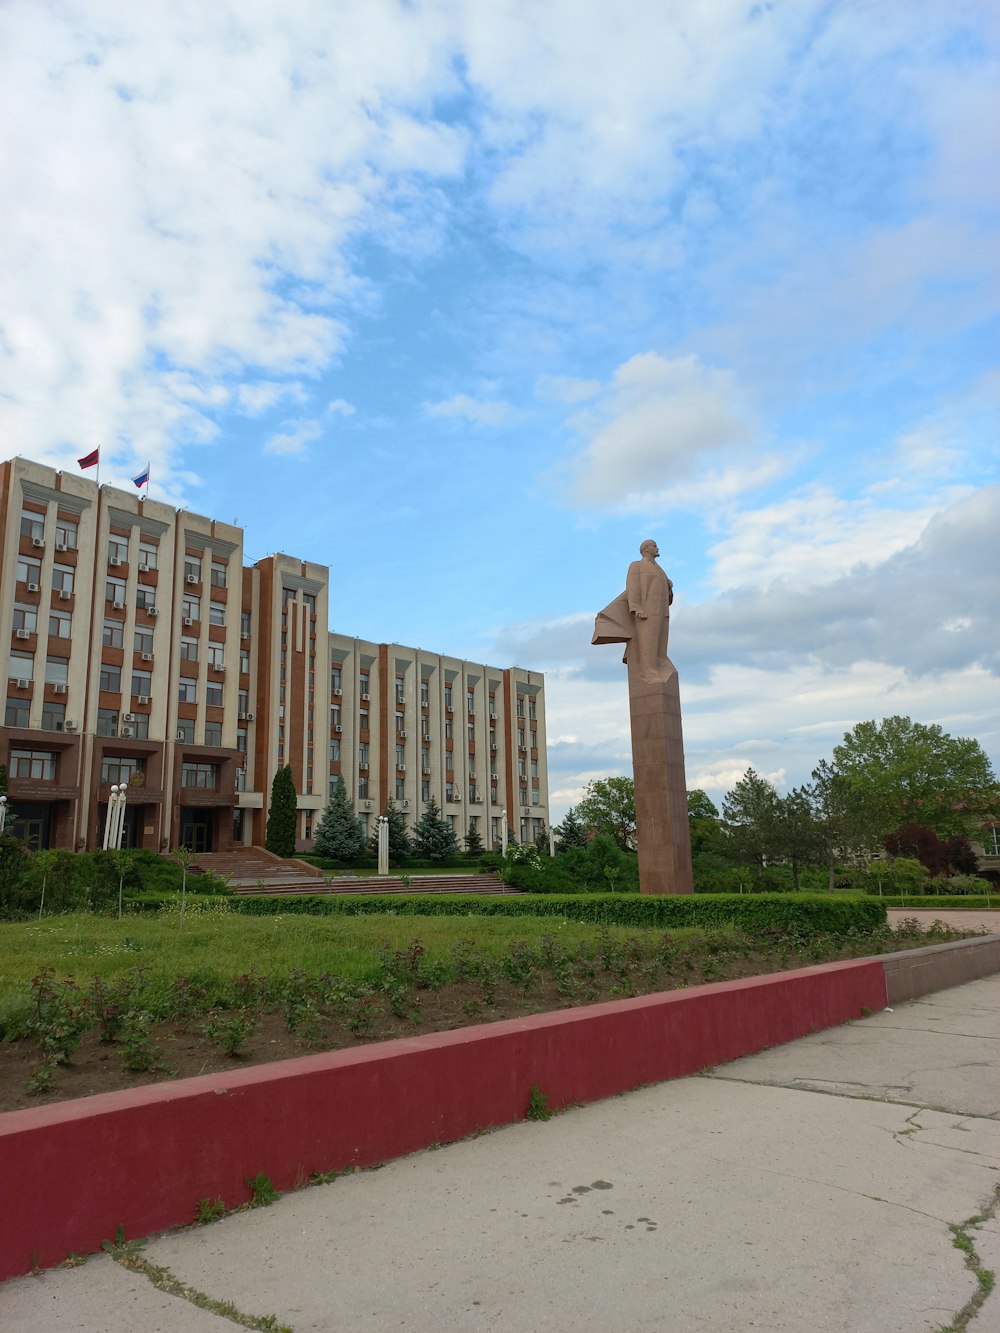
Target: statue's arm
(634, 591)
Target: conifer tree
(434, 837)
(339, 835)
(572, 832)
(399, 837)
(282, 815)
(473, 842)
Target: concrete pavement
(810, 1187)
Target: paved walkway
(971, 919)
(811, 1187)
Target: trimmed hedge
(942, 903)
(789, 913)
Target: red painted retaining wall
(70, 1173)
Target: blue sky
(465, 300)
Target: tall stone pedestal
(661, 811)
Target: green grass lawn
(224, 945)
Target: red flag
(91, 460)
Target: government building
(142, 650)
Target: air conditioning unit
(493, 749)
(402, 734)
(338, 728)
(521, 749)
(178, 736)
(118, 605)
(114, 562)
(38, 541)
(144, 569)
(142, 698)
(128, 717)
(69, 726)
(405, 804)
(65, 594)
(337, 693)
(146, 657)
(187, 620)
(191, 578)
(245, 634)
(401, 768)
(152, 611)
(125, 733)
(23, 684)
(61, 546)
(365, 698)
(217, 666)
(477, 800)
(368, 805)
(23, 634)
(59, 689)
(33, 587)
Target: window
(472, 702)
(32, 525)
(218, 574)
(245, 623)
(991, 841)
(241, 783)
(143, 641)
(62, 578)
(60, 624)
(363, 755)
(363, 786)
(522, 769)
(216, 656)
(449, 790)
(535, 797)
(363, 719)
(493, 706)
(118, 549)
(53, 716)
(399, 690)
(243, 701)
(213, 733)
(200, 775)
(244, 661)
(534, 768)
(56, 671)
(309, 602)
(187, 690)
(335, 752)
(241, 739)
(520, 736)
(216, 613)
(40, 765)
(140, 726)
(524, 795)
(114, 591)
(213, 695)
(449, 730)
(472, 791)
(185, 730)
(520, 705)
(142, 683)
(471, 732)
(22, 666)
(26, 617)
(189, 650)
(400, 755)
(120, 768)
(532, 709)
(447, 697)
(425, 790)
(335, 679)
(524, 831)
(111, 678)
(67, 530)
(425, 761)
(451, 821)
(16, 713)
(191, 607)
(29, 570)
(400, 789)
(145, 597)
(494, 828)
(400, 721)
(148, 555)
(192, 568)
(107, 722)
(335, 716)
(425, 693)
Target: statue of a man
(640, 616)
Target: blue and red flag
(142, 479)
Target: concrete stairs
(245, 868)
(471, 884)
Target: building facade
(142, 650)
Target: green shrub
(798, 913)
(957, 886)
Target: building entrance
(196, 829)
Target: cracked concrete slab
(724, 1202)
(99, 1295)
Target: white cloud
(480, 412)
(253, 399)
(665, 432)
(341, 407)
(294, 439)
(566, 388)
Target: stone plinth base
(661, 812)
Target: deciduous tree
(608, 806)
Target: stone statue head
(649, 547)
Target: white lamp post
(115, 823)
(383, 844)
(3, 813)
(503, 832)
